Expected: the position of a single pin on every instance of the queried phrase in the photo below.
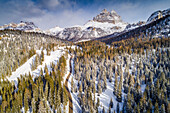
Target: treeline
(42, 94)
(139, 70)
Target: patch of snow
(106, 96)
(143, 88)
(105, 26)
(54, 30)
(84, 40)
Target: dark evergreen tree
(117, 108)
(103, 111)
(72, 85)
(115, 84)
(111, 103)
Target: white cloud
(15, 11)
(49, 4)
(66, 18)
(52, 5)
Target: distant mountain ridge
(23, 26)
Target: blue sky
(65, 13)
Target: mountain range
(105, 25)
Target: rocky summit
(110, 17)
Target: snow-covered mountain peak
(110, 17)
(113, 12)
(54, 30)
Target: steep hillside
(158, 14)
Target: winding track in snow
(68, 92)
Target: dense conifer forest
(42, 94)
(136, 70)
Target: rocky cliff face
(110, 17)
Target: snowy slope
(54, 31)
(106, 26)
(106, 96)
(26, 67)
